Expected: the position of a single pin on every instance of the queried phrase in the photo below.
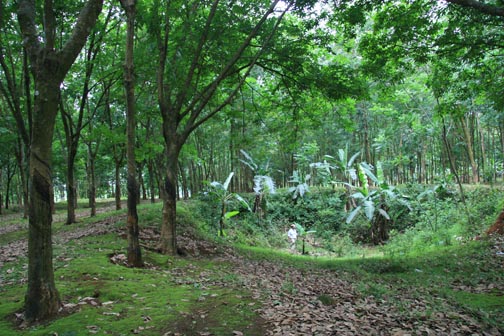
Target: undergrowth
(183, 295)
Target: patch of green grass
(485, 301)
(487, 306)
(122, 301)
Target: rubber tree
(134, 254)
(75, 121)
(15, 86)
(50, 61)
(193, 66)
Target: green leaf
(230, 214)
(228, 180)
(243, 201)
(384, 213)
(369, 209)
(352, 214)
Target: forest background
(340, 99)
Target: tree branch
(85, 22)
(479, 6)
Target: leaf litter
(295, 301)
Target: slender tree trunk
(185, 188)
(470, 150)
(91, 179)
(483, 157)
(71, 190)
(152, 188)
(117, 192)
(134, 250)
(24, 173)
(141, 183)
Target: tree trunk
(117, 192)
(152, 188)
(185, 188)
(168, 243)
(91, 180)
(141, 182)
(134, 250)
(470, 150)
(49, 68)
(71, 190)
(42, 299)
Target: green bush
(443, 221)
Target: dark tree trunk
(42, 298)
(152, 189)
(92, 178)
(134, 250)
(168, 242)
(71, 189)
(117, 192)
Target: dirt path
(294, 301)
(297, 302)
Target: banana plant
(346, 165)
(303, 234)
(263, 183)
(374, 203)
(225, 197)
(300, 187)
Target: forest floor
(222, 290)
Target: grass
(187, 295)
(129, 300)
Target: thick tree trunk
(42, 298)
(49, 67)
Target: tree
(74, 124)
(189, 86)
(15, 92)
(134, 251)
(480, 6)
(50, 62)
